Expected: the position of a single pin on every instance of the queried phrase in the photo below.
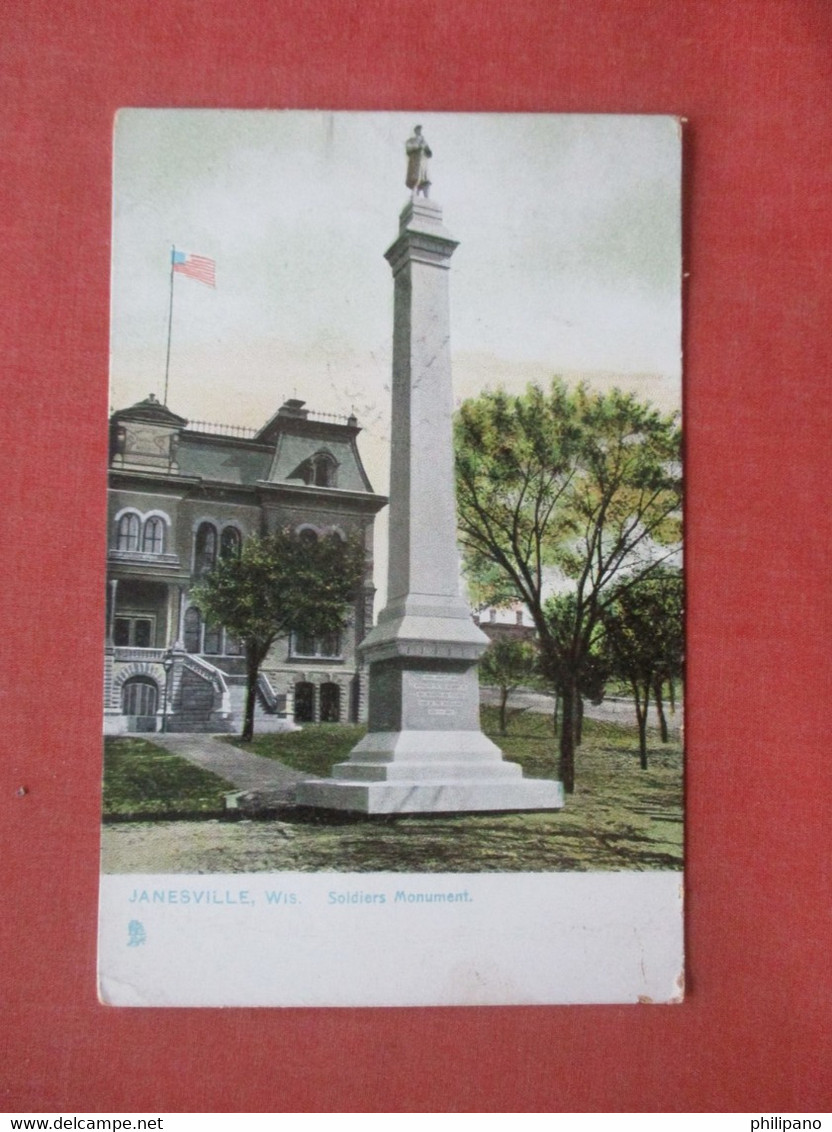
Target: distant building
(180, 497)
(506, 623)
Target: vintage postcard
(394, 658)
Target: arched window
(128, 533)
(230, 543)
(192, 629)
(153, 539)
(139, 696)
(205, 553)
(305, 702)
(308, 536)
(212, 639)
(330, 703)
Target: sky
(569, 261)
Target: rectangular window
(135, 632)
(303, 645)
(142, 628)
(233, 646)
(327, 646)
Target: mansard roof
(293, 452)
(151, 410)
(223, 459)
(278, 453)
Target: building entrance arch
(139, 701)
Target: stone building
(181, 496)
(506, 623)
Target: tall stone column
(111, 611)
(179, 643)
(424, 751)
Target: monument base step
(431, 797)
(492, 771)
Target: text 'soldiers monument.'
(424, 750)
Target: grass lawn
(141, 778)
(620, 817)
(314, 750)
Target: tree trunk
(555, 713)
(567, 737)
(641, 716)
(503, 702)
(252, 672)
(671, 685)
(657, 696)
(579, 721)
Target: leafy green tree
(508, 664)
(566, 490)
(280, 583)
(643, 635)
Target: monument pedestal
(424, 751)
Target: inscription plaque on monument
(438, 694)
(440, 699)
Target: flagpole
(170, 324)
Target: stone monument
(424, 750)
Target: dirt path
(271, 781)
(610, 711)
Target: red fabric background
(754, 81)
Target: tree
(560, 612)
(644, 640)
(508, 664)
(570, 490)
(280, 583)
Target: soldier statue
(418, 152)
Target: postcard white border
(500, 939)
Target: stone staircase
(265, 718)
(200, 696)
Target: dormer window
(320, 470)
(324, 471)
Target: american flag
(196, 266)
